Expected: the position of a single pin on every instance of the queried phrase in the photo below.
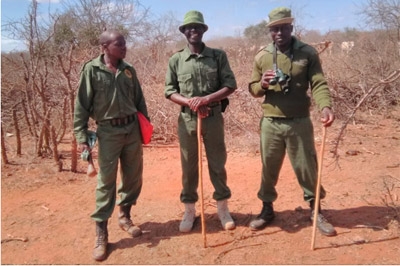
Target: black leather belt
(277, 118)
(187, 110)
(117, 122)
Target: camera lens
(282, 81)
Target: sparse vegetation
(38, 86)
(38, 92)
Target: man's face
(281, 34)
(117, 47)
(194, 33)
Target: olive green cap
(280, 15)
(193, 17)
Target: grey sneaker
(186, 224)
(323, 225)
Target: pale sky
(224, 17)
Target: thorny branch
(390, 79)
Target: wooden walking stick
(199, 148)
(318, 189)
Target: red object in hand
(146, 128)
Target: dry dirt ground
(45, 214)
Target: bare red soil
(45, 214)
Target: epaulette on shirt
(261, 52)
(179, 51)
(262, 48)
(84, 64)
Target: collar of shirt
(99, 63)
(187, 54)
(297, 44)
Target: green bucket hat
(193, 17)
(280, 15)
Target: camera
(281, 78)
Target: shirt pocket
(212, 80)
(185, 84)
(101, 83)
(127, 87)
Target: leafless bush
(352, 75)
(391, 196)
(40, 84)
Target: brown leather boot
(100, 248)
(125, 222)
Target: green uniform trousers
(121, 145)
(296, 137)
(214, 144)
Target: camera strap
(275, 56)
(285, 89)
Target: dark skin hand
(266, 77)
(84, 146)
(282, 36)
(327, 117)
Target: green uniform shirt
(303, 65)
(197, 75)
(103, 95)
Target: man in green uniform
(199, 79)
(109, 92)
(282, 73)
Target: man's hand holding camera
(84, 147)
(277, 77)
(266, 77)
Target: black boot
(125, 222)
(100, 249)
(322, 223)
(266, 216)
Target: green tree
(257, 34)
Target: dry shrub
(349, 76)
(352, 74)
(241, 117)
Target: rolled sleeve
(83, 104)
(227, 77)
(171, 78)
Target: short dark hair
(106, 36)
